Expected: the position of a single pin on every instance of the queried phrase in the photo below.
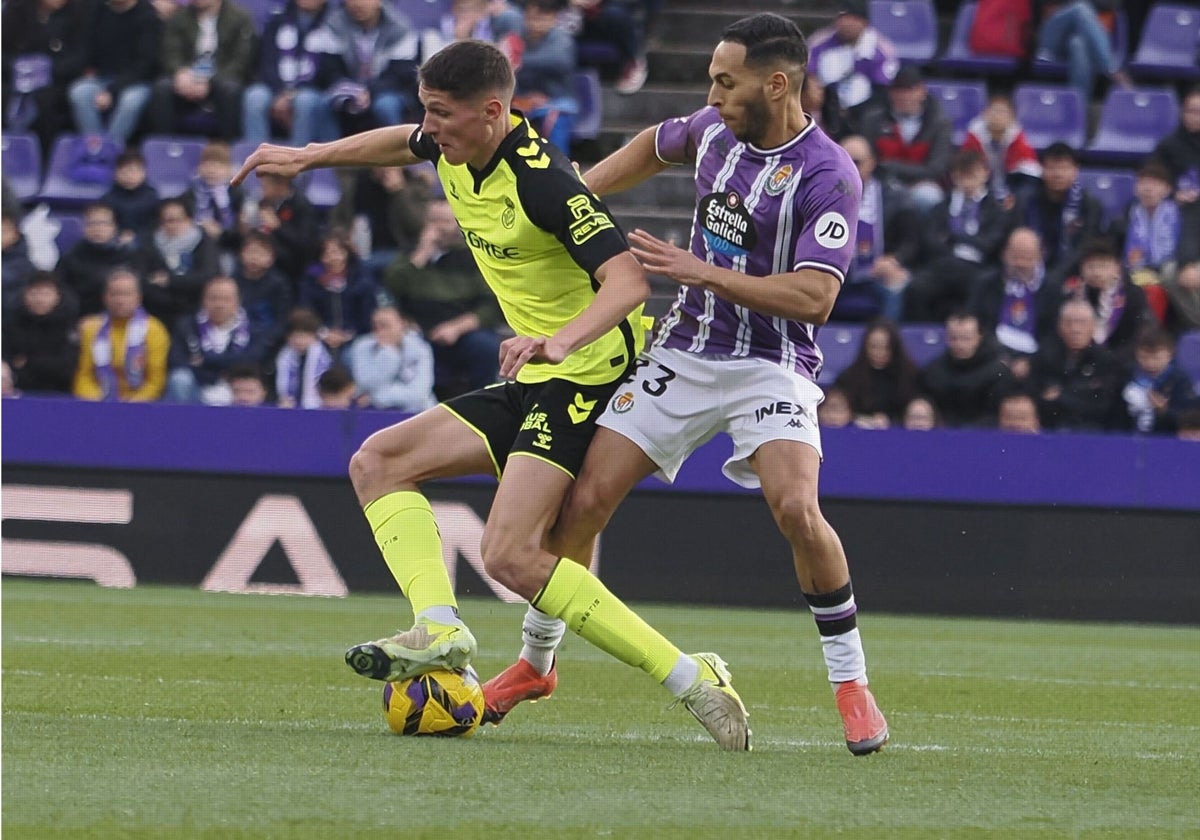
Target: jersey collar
(519, 130)
(774, 150)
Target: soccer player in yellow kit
(573, 293)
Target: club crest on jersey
(779, 179)
(727, 227)
(509, 217)
(622, 402)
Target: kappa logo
(832, 232)
(580, 409)
(779, 179)
(622, 402)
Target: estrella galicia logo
(727, 227)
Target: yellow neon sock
(408, 536)
(589, 609)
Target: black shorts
(552, 420)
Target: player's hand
(268, 159)
(520, 350)
(671, 261)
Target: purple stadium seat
(1187, 355)
(1119, 38)
(1050, 113)
(424, 14)
(322, 188)
(924, 342)
(60, 188)
(959, 57)
(909, 24)
(21, 157)
(961, 103)
(70, 231)
(1112, 187)
(171, 163)
(587, 92)
(1132, 122)
(1170, 43)
(839, 345)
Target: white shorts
(676, 401)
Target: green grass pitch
(171, 713)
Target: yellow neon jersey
(538, 235)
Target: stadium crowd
(1062, 305)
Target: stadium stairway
(679, 52)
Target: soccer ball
(446, 703)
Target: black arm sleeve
(423, 147)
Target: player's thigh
(788, 471)
(526, 505)
(763, 404)
(434, 444)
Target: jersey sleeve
(676, 140)
(423, 146)
(558, 202)
(829, 208)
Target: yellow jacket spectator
(122, 351)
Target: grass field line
(992, 675)
(578, 733)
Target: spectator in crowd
(834, 411)
(966, 380)
(962, 236)
(1077, 380)
(247, 386)
(1120, 305)
(8, 385)
(288, 94)
(545, 88)
(888, 242)
(1153, 232)
(84, 269)
(921, 415)
(121, 62)
(15, 266)
(41, 342)
(913, 139)
(183, 259)
(376, 53)
(392, 200)
(336, 388)
(1158, 389)
(393, 364)
(1179, 151)
(265, 293)
(216, 206)
(1018, 413)
(852, 64)
(1019, 305)
(207, 344)
(480, 20)
(882, 379)
(1182, 284)
(301, 361)
(1063, 213)
(122, 350)
(289, 219)
(1012, 162)
(42, 48)
(440, 287)
(133, 201)
(618, 26)
(1070, 31)
(341, 292)
(207, 58)
(1189, 424)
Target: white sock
(441, 615)
(541, 635)
(683, 676)
(844, 657)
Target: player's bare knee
(503, 559)
(799, 519)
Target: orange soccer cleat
(866, 730)
(513, 685)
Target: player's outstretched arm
(386, 146)
(627, 167)
(806, 295)
(623, 287)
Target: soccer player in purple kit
(772, 237)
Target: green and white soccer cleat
(428, 646)
(714, 702)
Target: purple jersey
(759, 212)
